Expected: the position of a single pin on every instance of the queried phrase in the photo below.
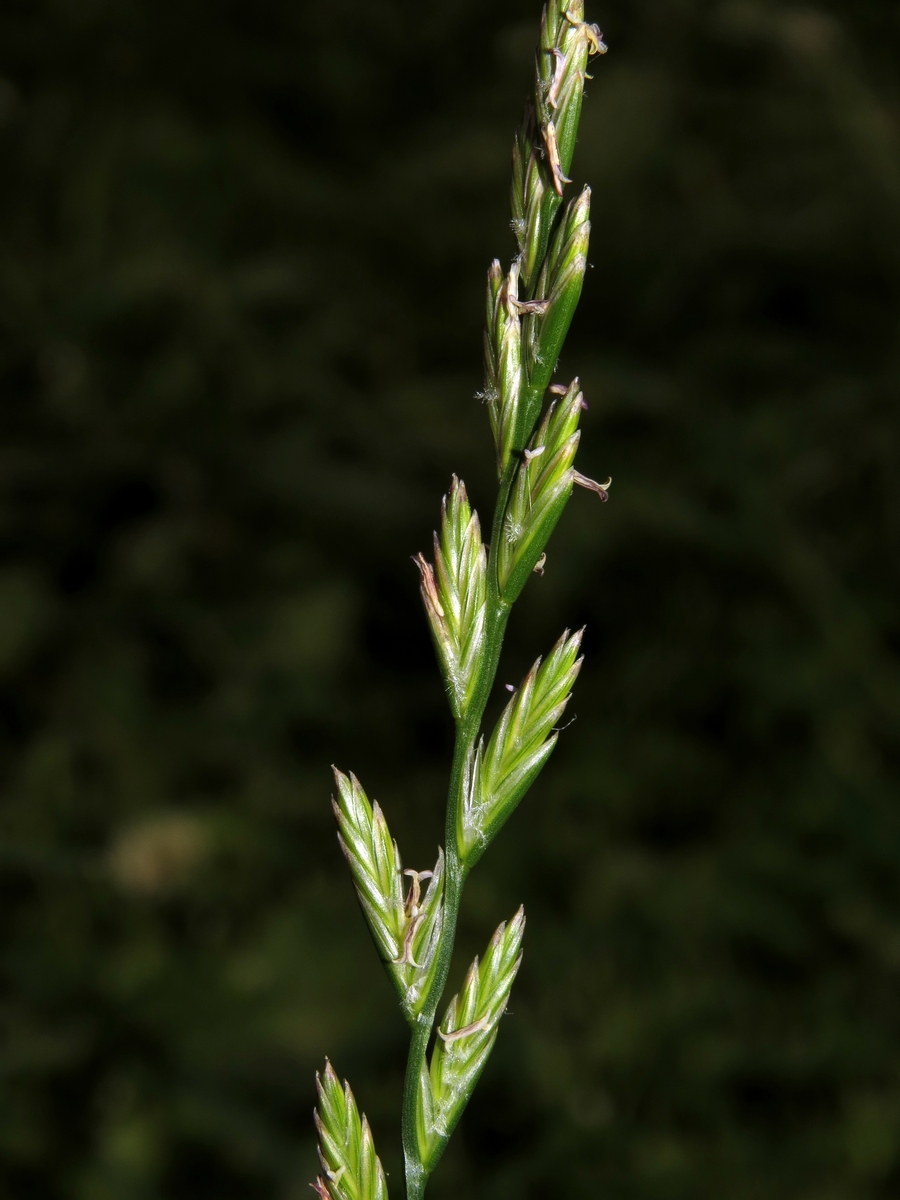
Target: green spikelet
(541, 490)
(557, 295)
(350, 1167)
(405, 927)
(497, 778)
(454, 593)
(465, 1038)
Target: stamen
(596, 45)
(479, 1026)
(552, 144)
(558, 72)
(429, 587)
(601, 489)
(406, 957)
(529, 306)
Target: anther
(540, 564)
(529, 306)
(509, 291)
(429, 587)
(601, 489)
(558, 73)
(528, 455)
(596, 45)
(482, 1025)
(552, 144)
(406, 954)
(412, 900)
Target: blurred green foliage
(242, 252)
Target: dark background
(242, 256)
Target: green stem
(467, 731)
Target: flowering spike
(467, 591)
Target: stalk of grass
(468, 591)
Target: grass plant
(468, 591)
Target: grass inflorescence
(467, 592)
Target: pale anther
(529, 306)
(429, 587)
(406, 956)
(479, 1026)
(558, 73)
(550, 141)
(596, 44)
(412, 900)
(601, 489)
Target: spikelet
(465, 1038)
(542, 155)
(350, 1168)
(544, 144)
(498, 777)
(405, 926)
(541, 490)
(557, 294)
(454, 595)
